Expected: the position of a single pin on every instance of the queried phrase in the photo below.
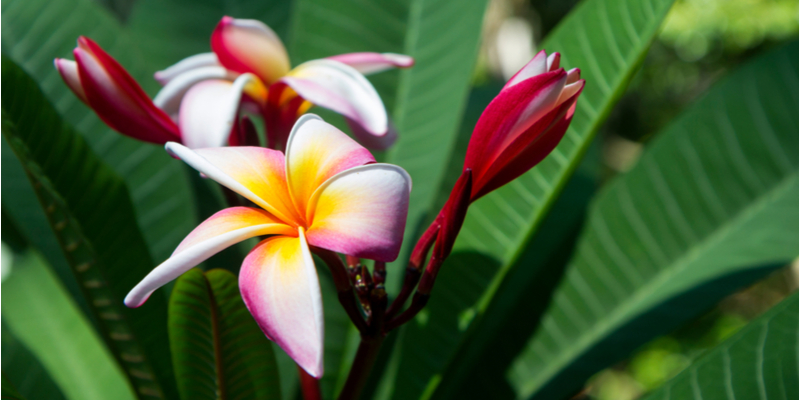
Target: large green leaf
(425, 101)
(41, 314)
(758, 362)
(218, 350)
(23, 372)
(499, 226)
(711, 206)
(34, 32)
(91, 214)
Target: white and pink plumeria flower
(327, 191)
(204, 95)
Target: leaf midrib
(620, 313)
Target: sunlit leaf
(758, 362)
(41, 315)
(89, 209)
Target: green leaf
(23, 372)
(170, 30)
(218, 350)
(34, 32)
(499, 226)
(426, 101)
(710, 207)
(758, 362)
(91, 214)
(40, 313)
(9, 392)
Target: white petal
(209, 110)
(187, 64)
(340, 88)
(170, 96)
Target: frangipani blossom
(516, 131)
(203, 95)
(326, 192)
(523, 124)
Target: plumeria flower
(204, 95)
(523, 124)
(516, 131)
(326, 192)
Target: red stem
(342, 281)
(309, 385)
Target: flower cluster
(248, 71)
(314, 189)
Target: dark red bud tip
(454, 212)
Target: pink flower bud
(523, 124)
(100, 82)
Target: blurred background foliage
(699, 42)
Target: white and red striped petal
(248, 45)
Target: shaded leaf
(218, 350)
(86, 204)
(23, 372)
(758, 362)
(710, 207)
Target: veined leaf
(34, 32)
(24, 373)
(710, 206)
(499, 226)
(40, 313)
(758, 362)
(91, 214)
(218, 350)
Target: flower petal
(280, 287)
(361, 212)
(372, 63)
(254, 172)
(69, 73)
(187, 64)
(248, 45)
(117, 99)
(316, 151)
(536, 66)
(221, 230)
(209, 109)
(340, 88)
(170, 96)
